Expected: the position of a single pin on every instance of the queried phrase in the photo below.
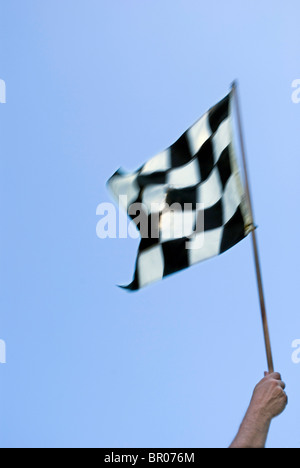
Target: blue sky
(93, 85)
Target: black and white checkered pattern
(199, 170)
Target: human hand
(269, 398)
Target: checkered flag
(188, 202)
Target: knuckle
(276, 376)
(284, 396)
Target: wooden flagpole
(253, 233)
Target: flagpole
(254, 239)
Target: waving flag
(190, 199)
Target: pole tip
(234, 84)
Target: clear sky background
(93, 85)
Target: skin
(268, 401)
